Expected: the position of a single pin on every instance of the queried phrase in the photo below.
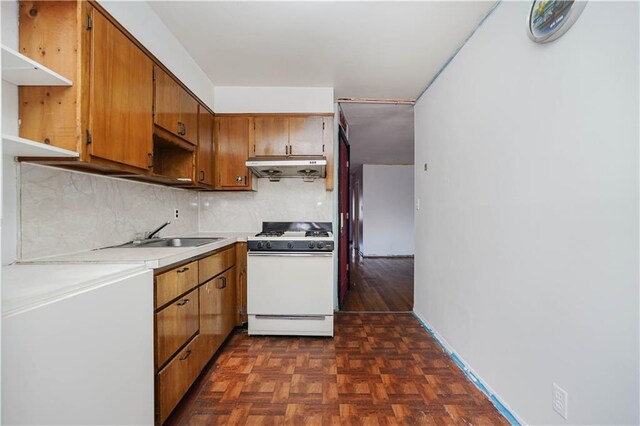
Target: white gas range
(290, 279)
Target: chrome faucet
(155, 231)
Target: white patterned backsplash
(65, 211)
(288, 200)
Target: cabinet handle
(201, 175)
(180, 271)
(223, 283)
(238, 179)
(290, 149)
(286, 149)
(150, 160)
(246, 179)
(186, 355)
(182, 129)
(183, 302)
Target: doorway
(376, 197)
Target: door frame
(343, 221)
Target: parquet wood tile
(380, 284)
(379, 369)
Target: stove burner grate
(316, 234)
(270, 234)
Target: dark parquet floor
(380, 284)
(379, 369)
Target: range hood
(276, 168)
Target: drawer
(175, 325)
(212, 265)
(177, 377)
(173, 283)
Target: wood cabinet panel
(205, 147)
(176, 111)
(270, 136)
(232, 152)
(178, 376)
(175, 324)
(121, 97)
(175, 282)
(306, 135)
(241, 283)
(211, 266)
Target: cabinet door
(189, 117)
(167, 102)
(121, 97)
(232, 151)
(305, 135)
(205, 146)
(270, 136)
(211, 316)
(228, 302)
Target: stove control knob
(290, 245)
(312, 245)
(259, 245)
(268, 245)
(320, 245)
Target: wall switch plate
(559, 401)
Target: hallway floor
(380, 369)
(380, 284)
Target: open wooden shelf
(20, 147)
(23, 71)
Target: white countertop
(151, 257)
(26, 286)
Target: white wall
(147, 27)
(388, 220)
(273, 99)
(527, 252)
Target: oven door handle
(289, 254)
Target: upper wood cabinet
(176, 111)
(232, 151)
(283, 135)
(205, 147)
(121, 97)
(106, 114)
(306, 135)
(270, 136)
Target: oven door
(285, 283)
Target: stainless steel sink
(171, 242)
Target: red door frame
(344, 205)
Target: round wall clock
(548, 20)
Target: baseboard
(500, 405)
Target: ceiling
(380, 134)
(387, 50)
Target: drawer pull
(183, 302)
(223, 282)
(183, 270)
(186, 355)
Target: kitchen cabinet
(271, 136)
(176, 111)
(283, 135)
(205, 147)
(241, 283)
(306, 135)
(105, 114)
(196, 311)
(231, 153)
(175, 325)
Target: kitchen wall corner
(64, 211)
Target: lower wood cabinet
(241, 283)
(197, 307)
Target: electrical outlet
(176, 215)
(559, 401)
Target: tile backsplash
(65, 211)
(287, 200)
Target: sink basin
(171, 242)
